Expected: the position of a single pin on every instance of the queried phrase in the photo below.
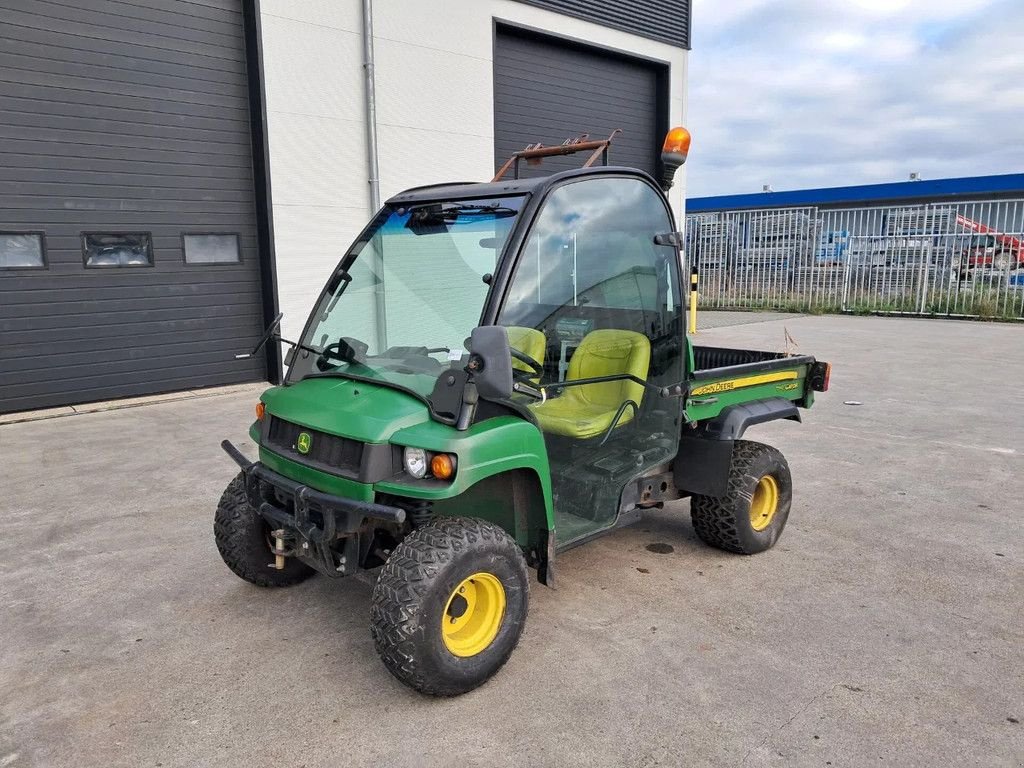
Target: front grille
(329, 452)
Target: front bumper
(317, 521)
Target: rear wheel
(450, 605)
(752, 514)
(243, 540)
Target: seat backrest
(608, 352)
(530, 342)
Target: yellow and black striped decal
(745, 381)
(693, 299)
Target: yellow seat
(531, 343)
(588, 410)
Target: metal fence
(947, 259)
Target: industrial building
(947, 247)
(174, 174)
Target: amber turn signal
(261, 411)
(442, 466)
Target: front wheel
(753, 512)
(450, 605)
(243, 540)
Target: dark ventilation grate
(329, 452)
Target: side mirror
(490, 362)
(673, 155)
(264, 338)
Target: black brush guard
(317, 521)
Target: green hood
(374, 413)
(367, 412)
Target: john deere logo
(304, 443)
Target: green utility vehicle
(495, 373)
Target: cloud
(804, 93)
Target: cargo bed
(720, 377)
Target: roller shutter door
(124, 136)
(548, 90)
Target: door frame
(253, 31)
(513, 251)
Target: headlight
(420, 463)
(415, 461)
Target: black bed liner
(716, 362)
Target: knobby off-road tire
(414, 597)
(728, 523)
(242, 539)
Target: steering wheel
(537, 368)
(344, 350)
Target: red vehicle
(990, 248)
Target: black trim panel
(702, 465)
(667, 21)
(261, 174)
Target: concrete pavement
(884, 629)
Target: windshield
(408, 294)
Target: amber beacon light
(673, 154)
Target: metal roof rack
(535, 153)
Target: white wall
(435, 113)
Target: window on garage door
(22, 250)
(117, 249)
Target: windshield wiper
(437, 213)
(340, 280)
(501, 211)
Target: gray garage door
(547, 90)
(128, 252)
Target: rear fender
(705, 455)
(733, 421)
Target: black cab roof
(465, 190)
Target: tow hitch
(280, 553)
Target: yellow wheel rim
(765, 503)
(472, 616)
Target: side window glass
(591, 262)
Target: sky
(826, 93)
